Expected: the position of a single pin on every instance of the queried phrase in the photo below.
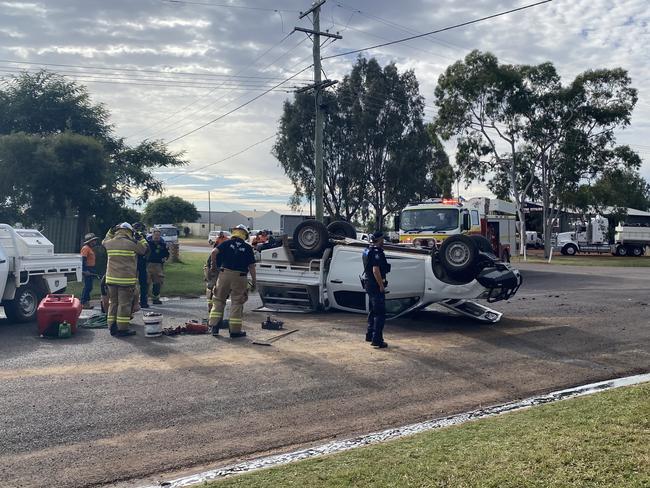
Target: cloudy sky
(165, 68)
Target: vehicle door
(405, 281)
(4, 271)
(344, 288)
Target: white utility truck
(29, 270)
(317, 271)
(591, 237)
(429, 223)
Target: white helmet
(126, 225)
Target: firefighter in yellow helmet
(122, 247)
(237, 260)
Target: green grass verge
(605, 260)
(181, 279)
(601, 440)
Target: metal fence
(62, 231)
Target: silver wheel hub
(458, 254)
(27, 304)
(308, 238)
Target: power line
(140, 70)
(247, 148)
(238, 107)
(196, 100)
(230, 5)
(437, 31)
(178, 124)
(166, 81)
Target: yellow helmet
(240, 231)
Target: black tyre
(621, 250)
(341, 229)
(505, 257)
(458, 256)
(482, 244)
(23, 307)
(311, 238)
(570, 250)
(637, 251)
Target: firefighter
(158, 254)
(237, 260)
(211, 272)
(143, 279)
(376, 268)
(122, 247)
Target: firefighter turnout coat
(122, 250)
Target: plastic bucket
(153, 324)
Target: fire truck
(427, 224)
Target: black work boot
(379, 345)
(113, 329)
(125, 333)
(235, 335)
(156, 301)
(368, 336)
(215, 328)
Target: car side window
(475, 219)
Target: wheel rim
(27, 304)
(637, 252)
(622, 251)
(458, 255)
(570, 251)
(309, 238)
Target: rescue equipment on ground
(57, 309)
(274, 338)
(271, 324)
(153, 324)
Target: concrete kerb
(395, 433)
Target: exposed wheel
(311, 238)
(570, 250)
(482, 244)
(342, 229)
(458, 255)
(637, 252)
(23, 307)
(621, 250)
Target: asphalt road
(94, 410)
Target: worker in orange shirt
(89, 261)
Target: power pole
(318, 86)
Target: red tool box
(58, 308)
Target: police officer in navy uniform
(376, 268)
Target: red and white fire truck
(430, 222)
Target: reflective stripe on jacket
(122, 250)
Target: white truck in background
(591, 237)
(29, 270)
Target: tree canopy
(170, 210)
(58, 153)
(378, 152)
(532, 136)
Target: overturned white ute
(318, 270)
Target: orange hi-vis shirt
(88, 253)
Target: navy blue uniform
(143, 280)
(159, 252)
(374, 256)
(236, 255)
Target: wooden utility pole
(318, 86)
